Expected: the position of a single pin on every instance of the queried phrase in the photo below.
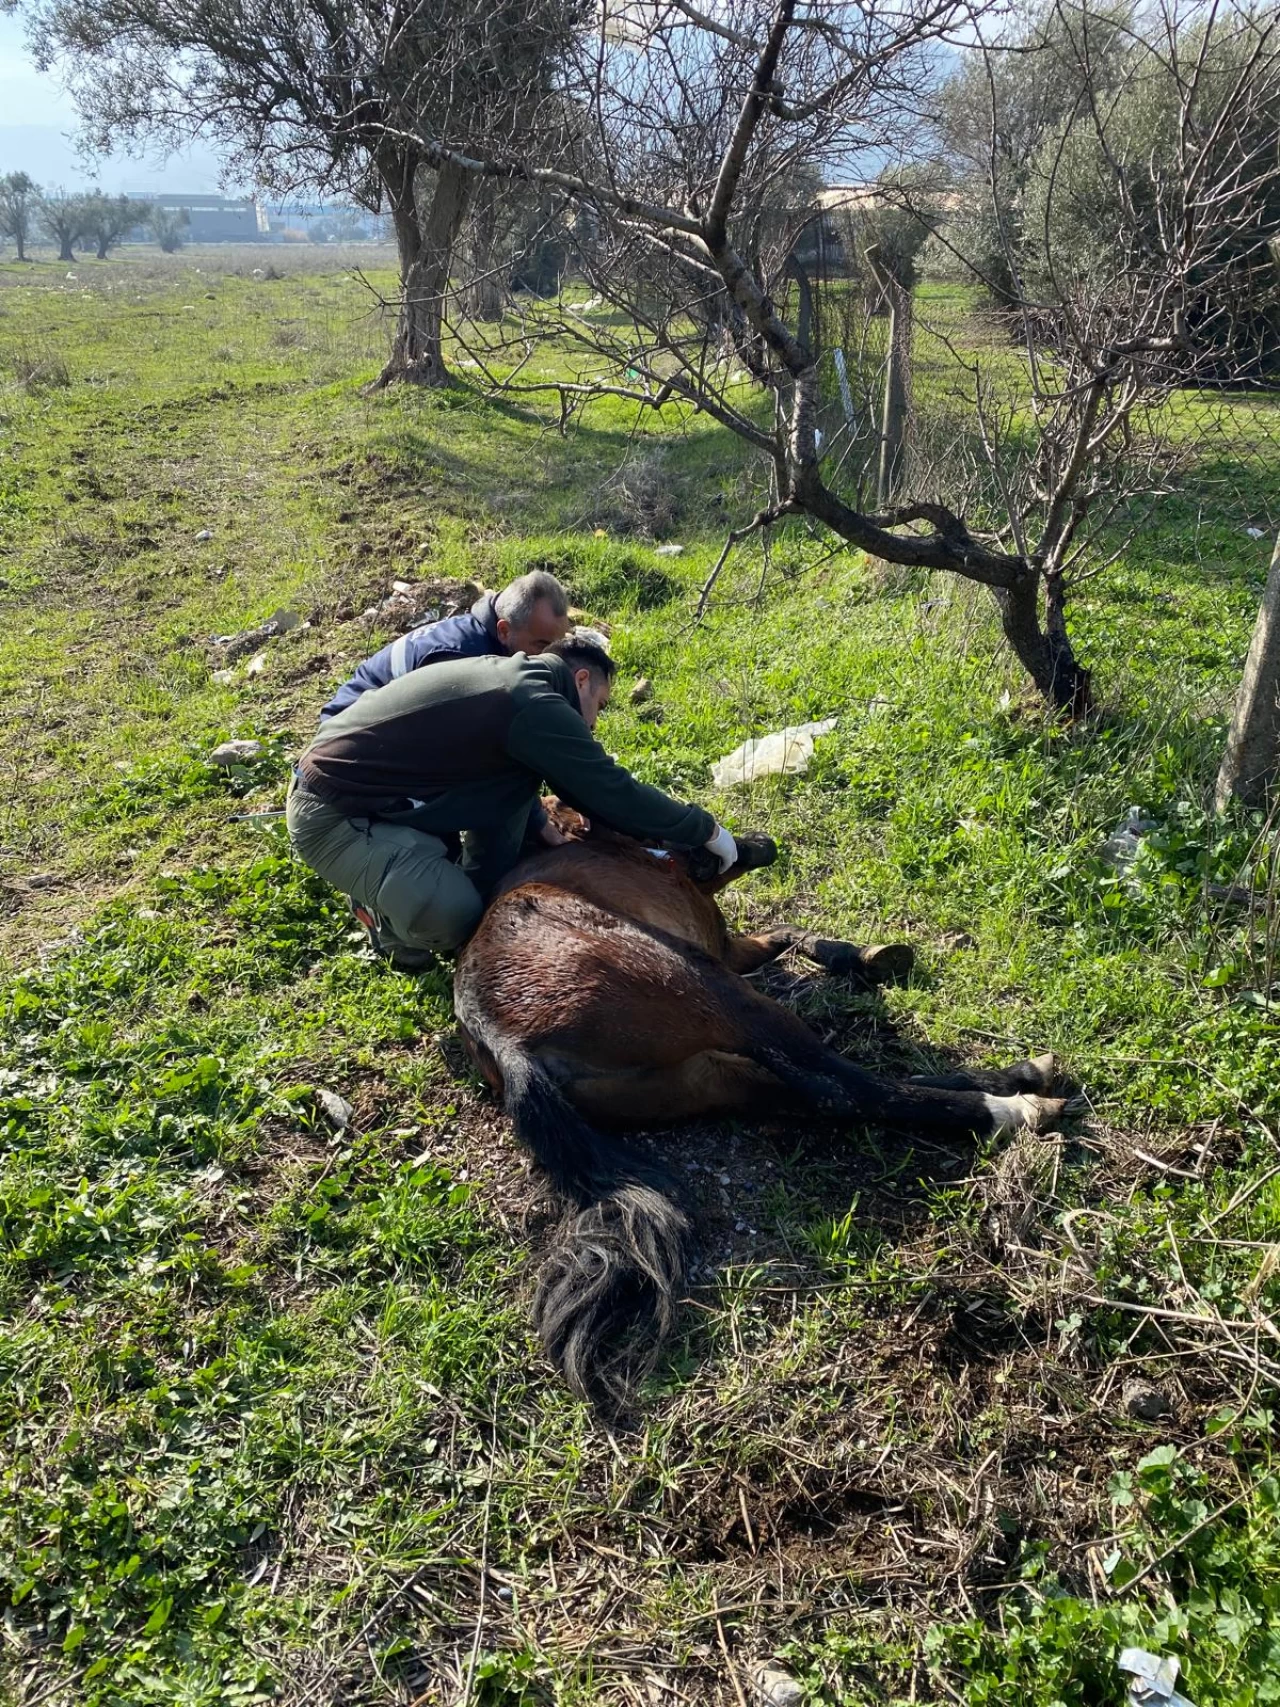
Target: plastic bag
(786, 752)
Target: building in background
(213, 219)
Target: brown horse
(603, 988)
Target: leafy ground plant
(945, 1424)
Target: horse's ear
(566, 820)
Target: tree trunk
(1043, 650)
(66, 252)
(897, 371)
(102, 250)
(1045, 653)
(22, 249)
(1252, 758)
(893, 421)
(426, 252)
(483, 293)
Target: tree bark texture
(1251, 762)
(426, 254)
(483, 293)
(893, 421)
(1044, 650)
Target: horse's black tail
(608, 1289)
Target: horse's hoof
(755, 850)
(888, 962)
(1038, 1075)
(885, 963)
(1024, 1113)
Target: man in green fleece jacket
(465, 747)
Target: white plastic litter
(786, 752)
(1254, 533)
(205, 533)
(1151, 1679)
(670, 550)
(337, 1108)
(1124, 844)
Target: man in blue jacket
(528, 616)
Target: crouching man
(458, 753)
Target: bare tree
(691, 119)
(61, 215)
(322, 93)
(19, 204)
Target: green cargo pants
(422, 898)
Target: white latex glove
(723, 846)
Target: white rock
(205, 533)
(223, 678)
(338, 1109)
(669, 551)
(235, 752)
(1254, 533)
(775, 1687)
(256, 665)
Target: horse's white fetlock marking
(1011, 1114)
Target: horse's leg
(774, 1038)
(1037, 1076)
(713, 1082)
(880, 964)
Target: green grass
(273, 1423)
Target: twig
(484, 1556)
(728, 1658)
(763, 519)
(1182, 1540)
(1244, 1193)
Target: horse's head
(699, 865)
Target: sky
(37, 130)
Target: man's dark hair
(581, 654)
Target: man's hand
(723, 846)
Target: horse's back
(622, 878)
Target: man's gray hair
(514, 604)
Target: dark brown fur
(604, 989)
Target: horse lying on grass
(603, 989)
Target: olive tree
(327, 94)
(61, 215)
(106, 219)
(19, 206)
(168, 227)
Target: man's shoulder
(542, 674)
(463, 636)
